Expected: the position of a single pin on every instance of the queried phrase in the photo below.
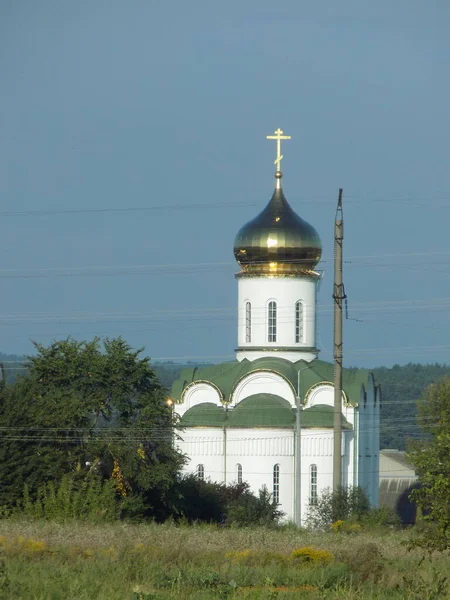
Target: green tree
(431, 458)
(88, 406)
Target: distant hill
(401, 386)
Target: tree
(88, 406)
(431, 458)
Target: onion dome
(277, 241)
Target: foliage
(195, 500)
(75, 497)
(432, 461)
(341, 526)
(338, 505)
(425, 583)
(249, 510)
(308, 554)
(82, 407)
(380, 517)
(364, 560)
(401, 387)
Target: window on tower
(298, 322)
(248, 322)
(272, 322)
(201, 472)
(276, 484)
(313, 485)
(239, 473)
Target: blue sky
(164, 107)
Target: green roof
(259, 410)
(204, 415)
(262, 410)
(321, 415)
(225, 376)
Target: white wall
(198, 393)
(317, 449)
(259, 449)
(263, 382)
(285, 291)
(204, 445)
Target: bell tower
(277, 252)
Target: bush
(345, 527)
(338, 505)
(309, 554)
(381, 517)
(248, 510)
(199, 501)
(87, 498)
(364, 560)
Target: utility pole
(338, 296)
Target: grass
(42, 560)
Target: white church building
(240, 418)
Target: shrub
(345, 527)
(425, 583)
(338, 505)
(364, 560)
(381, 517)
(199, 501)
(256, 558)
(82, 498)
(248, 509)
(308, 554)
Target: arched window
(313, 485)
(298, 322)
(201, 472)
(272, 322)
(248, 322)
(276, 484)
(239, 473)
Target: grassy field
(43, 561)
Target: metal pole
(338, 296)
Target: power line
(119, 270)
(417, 201)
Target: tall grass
(53, 560)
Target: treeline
(402, 387)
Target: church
(267, 417)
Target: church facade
(267, 417)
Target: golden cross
(278, 136)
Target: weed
(364, 560)
(425, 583)
(308, 554)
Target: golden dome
(277, 241)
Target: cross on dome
(278, 137)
